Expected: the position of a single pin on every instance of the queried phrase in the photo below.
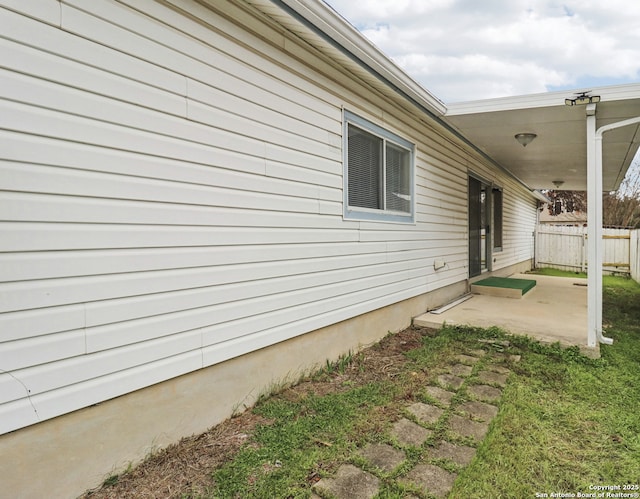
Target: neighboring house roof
(564, 218)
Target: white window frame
(378, 215)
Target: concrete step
(503, 287)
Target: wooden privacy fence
(565, 248)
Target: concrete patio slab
(556, 311)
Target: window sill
(384, 217)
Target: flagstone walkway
(466, 420)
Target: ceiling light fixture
(558, 183)
(525, 138)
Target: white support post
(594, 232)
(594, 221)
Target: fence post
(583, 256)
(634, 254)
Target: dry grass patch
(185, 469)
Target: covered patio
(555, 310)
(557, 140)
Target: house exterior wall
(78, 451)
(172, 199)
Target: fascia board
(547, 99)
(344, 35)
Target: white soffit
(559, 150)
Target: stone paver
(459, 454)
(471, 421)
(502, 343)
(383, 456)
(408, 433)
(479, 410)
(350, 482)
(485, 392)
(493, 378)
(425, 413)
(460, 370)
(498, 369)
(431, 479)
(467, 359)
(507, 357)
(437, 393)
(450, 380)
(478, 352)
(467, 428)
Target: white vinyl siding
(172, 197)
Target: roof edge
(336, 30)
(344, 36)
(545, 99)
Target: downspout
(594, 215)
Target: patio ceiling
(559, 152)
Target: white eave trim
(540, 197)
(344, 37)
(547, 99)
(334, 26)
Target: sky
(463, 50)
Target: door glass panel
(475, 227)
(479, 227)
(484, 233)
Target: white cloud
(466, 49)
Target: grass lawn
(565, 422)
(558, 273)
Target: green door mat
(523, 285)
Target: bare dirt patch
(186, 468)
